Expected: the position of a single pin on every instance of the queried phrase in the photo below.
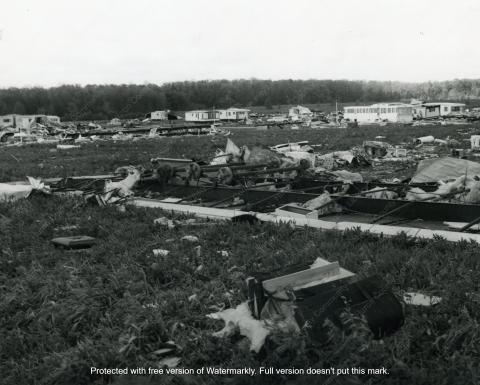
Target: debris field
(244, 250)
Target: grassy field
(62, 312)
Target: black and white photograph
(266, 192)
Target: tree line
(101, 102)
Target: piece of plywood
(301, 278)
(74, 242)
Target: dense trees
(72, 102)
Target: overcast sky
(54, 42)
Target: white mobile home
(452, 109)
(382, 112)
(24, 122)
(235, 114)
(159, 115)
(7, 120)
(426, 110)
(202, 116)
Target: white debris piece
(160, 252)
(318, 202)
(240, 318)
(464, 188)
(223, 253)
(417, 194)
(459, 225)
(348, 176)
(13, 192)
(171, 200)
(297, 146)
(169, 362)
(66, 146)
(124, 187)
(319, 262)
(302, 155)
(190, 238)
(447, 168)
(231, 152)
(418, 299)
(163, 221)
(425, 139)
(343, 155)
(475, 142)
(380, 193)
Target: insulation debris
(462, 189)
(113, 191)
(242, 320)
(323, 204)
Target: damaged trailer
(262, 200)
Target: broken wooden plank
(301, 278)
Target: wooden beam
(300, 278)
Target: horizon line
(147, 83)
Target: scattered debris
(328, 287)
(418, 299)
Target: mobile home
(437, 109)
(235, 114)
(426, 110)
(382, 112)
(159, 115)
(202, 116)
(452, 109)
(24, 122)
